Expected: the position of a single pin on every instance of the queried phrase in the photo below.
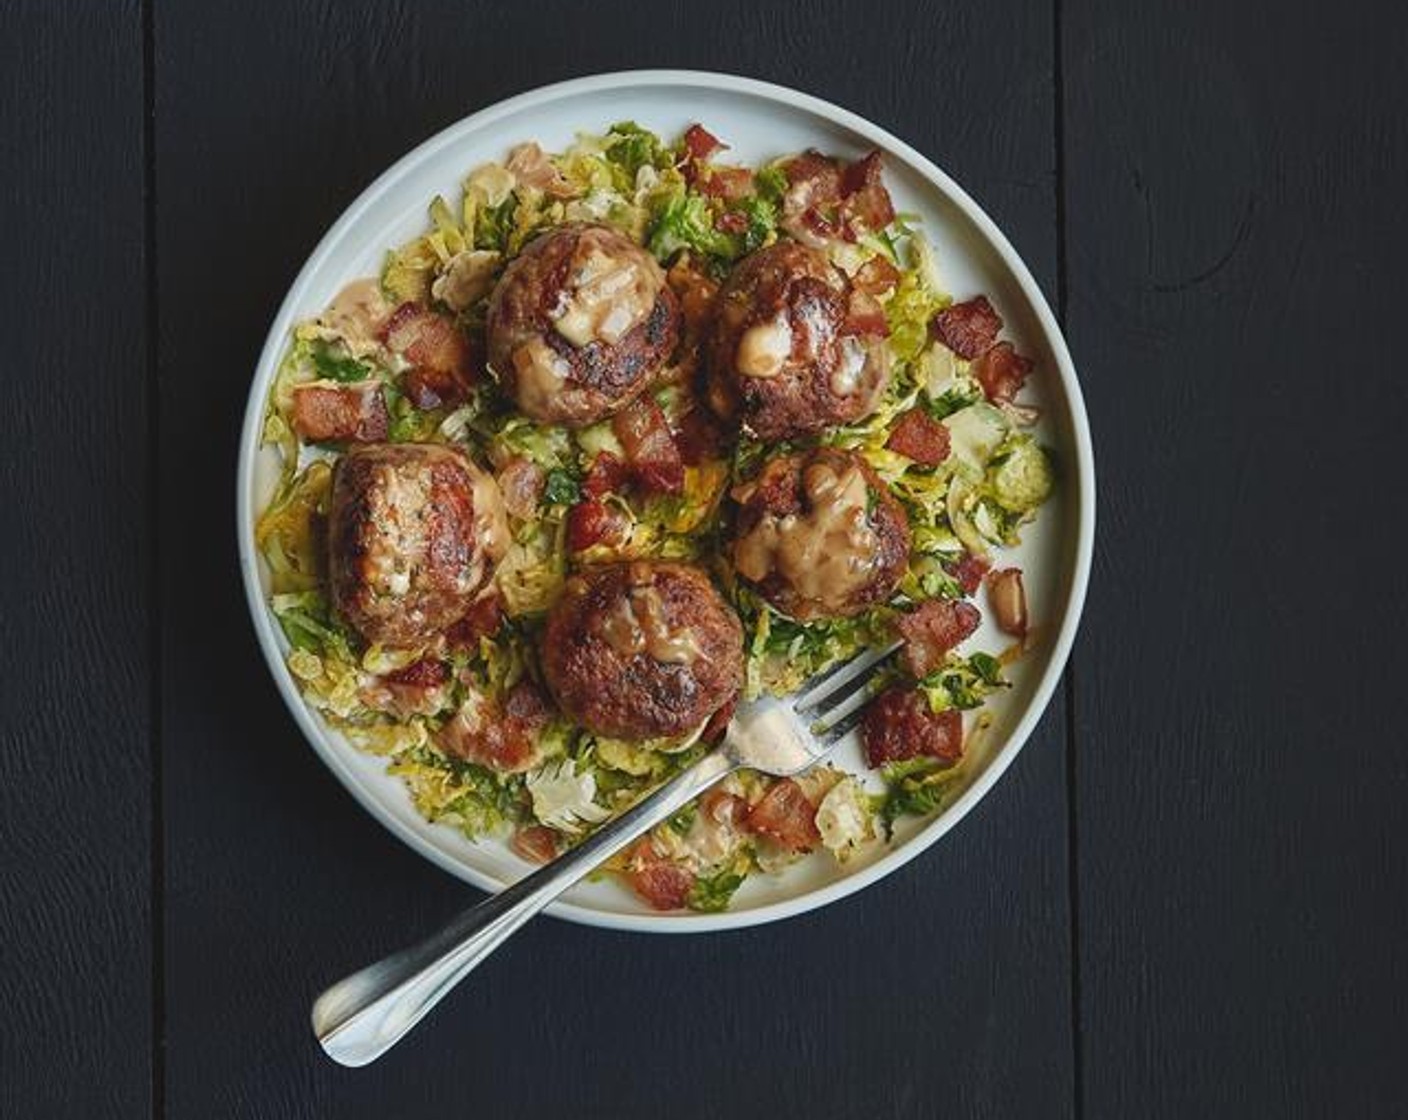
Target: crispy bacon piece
(592, 522)
(724, 807)
(531, 166)
(864, 315)
(969, 329)
(662, 884)
(728, 183)
(425, 673)
(354, 413)
(607, 475)
(931, 630)
(785, 815)
(718, 722)
(521, 483)
(535, 842)
(1001, 372)
(651, 452)
(900, 725)
(501, 737)
(867, 205)
(443, 364)
(826, 201)
(920, 437)
(732, 221)
(486, 615)
(700, 144)
(969, 571)
(700, 437)
(1009, 601)
(416, 689)
(876, 276)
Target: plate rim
(1082, 508)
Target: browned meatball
(580, 324)
(642, 650)
(819, 535)
(781, 360)
(414, 532)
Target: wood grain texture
(946, 988)
(74, 686)
(1234, 248)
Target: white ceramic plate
(759, 121)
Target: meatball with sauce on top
(580, 324)
(787, 356)
(414, 533)
(642, 650)
(818, 535)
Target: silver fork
(362, 1016)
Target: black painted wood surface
(75, 673)
(1186, 897)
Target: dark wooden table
(1187, 899)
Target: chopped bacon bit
(443, 364)
(931, 630)
(732, 221)
(502, 737)
(969, 571)
(486, 615)
(536, 843)
(521, 483)
(593, 522)
(700, 143)
(531, 166)
(723, 808)
(650, 447)
(784, 814)
(1009, 601)
(969, 329)
(867, 203)
(425, 673)
(719, 721)
(662, 884)
(876, 276)
(813, 195)
(607, 475)
(920, 437)
(1001, 372)
(355, 413)
(900, 725)
(728, 183)
(820, 225)
(700, 437)
(864, 315)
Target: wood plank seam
(1058, 105)
(157, 854)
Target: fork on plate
(363, 1015)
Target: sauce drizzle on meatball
(827, 552)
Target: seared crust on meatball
(819, 535)
(781, 361)
(414, 532)
(580, 324)
(642, 650)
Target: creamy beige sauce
(540, 374)
(357, 315)
(825, 553)
(765, 347)
(607, 295)
(637, 624)
(846, 376)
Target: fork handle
(362, 1016)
